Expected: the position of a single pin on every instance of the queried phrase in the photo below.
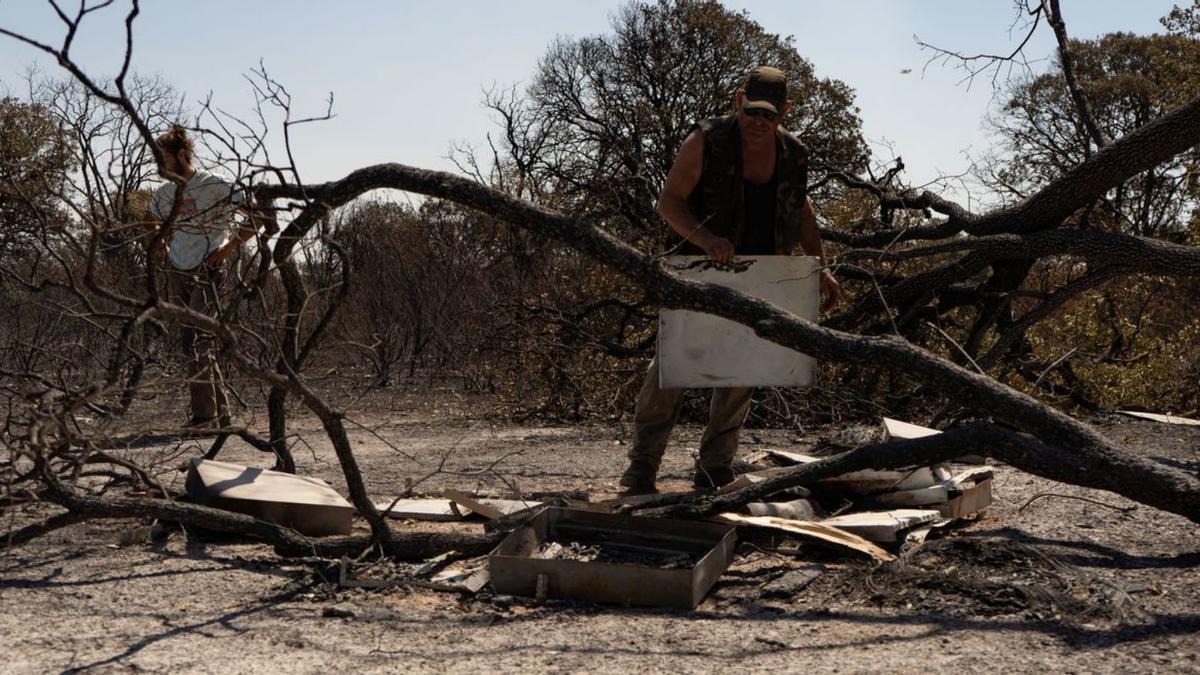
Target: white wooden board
(697, 350)
(423, 509)
(791, 458)
(897, 430)
(747, 479)
(492, 509)
(1165, 419)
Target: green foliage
(1183, 20)
(1134, 341)
(1129, 80)
(593, 136)
(1129, 342)
(601, 122)
(34, 157)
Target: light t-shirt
(205, 219)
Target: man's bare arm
(245, 232)
(810, 241)
(810, 234)
(672, 202)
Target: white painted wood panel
(1165, 419)
(697, 350)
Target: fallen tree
(1012, 447)
(1135, 477)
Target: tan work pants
(658, 409)
(197, 289)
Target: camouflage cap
(766, 89)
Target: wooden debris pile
(553, 552)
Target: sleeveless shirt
(718, 199)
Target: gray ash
(614, 553)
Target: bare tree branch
(1055, 18)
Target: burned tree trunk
(1138, 479)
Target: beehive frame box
(515, 571)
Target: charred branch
(1067, 60)
(1174, 491)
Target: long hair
(176, 139)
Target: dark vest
(717, 199)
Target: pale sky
(407, 76)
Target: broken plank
(434, 563)
(897, 430)
(970, 477)
(820, 531)
(492, 509)
(1164, 419)
(436, 510)
(468, 577)
(883, 526)
(791, 458)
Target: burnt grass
(1049, 576)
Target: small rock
(485, 619)
(336, 612)
(791, 583)
(377, 614)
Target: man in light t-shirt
(202, 234)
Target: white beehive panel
(697, 350)
(900, 431)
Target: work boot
(209, 424)
(711, 479)
(638, 479)
(202, 423)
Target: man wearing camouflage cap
(738, 187)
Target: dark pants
(658, 409)
(197, 289)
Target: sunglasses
(760, 112)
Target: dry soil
(1061, 584)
